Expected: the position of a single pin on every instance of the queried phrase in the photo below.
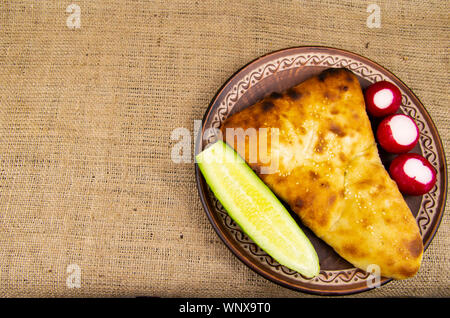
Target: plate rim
(202, 185)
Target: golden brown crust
(329, 171)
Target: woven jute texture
(87, 184)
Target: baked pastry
(327, 168)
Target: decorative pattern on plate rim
(428, 205)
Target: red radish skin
(413, 174)
(382, 98)
(397, 133)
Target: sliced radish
(382, 99)
(397, 133)
(413, 174)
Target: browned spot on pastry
(335, 111)
(365, 182)
(299, 203)
(322, 219)
(322, 76)
(267, 105)
(276, 95)
(330, 95)
(245, 122)
(407, 271)
(320, 144)
(336, 129)
(293, 94)
(343, 88)
(349, 78)
(387, 219)
(332, 199)
(353, 250)
(324, 185)
(364, 222)
(302, 130)
(342, 157)
(277, 179)
(256, 168)
(415, 246)
(314, 175)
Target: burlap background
(86, 117)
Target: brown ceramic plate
(278, 71)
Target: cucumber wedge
(254, 207)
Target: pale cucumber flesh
(254, 207)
